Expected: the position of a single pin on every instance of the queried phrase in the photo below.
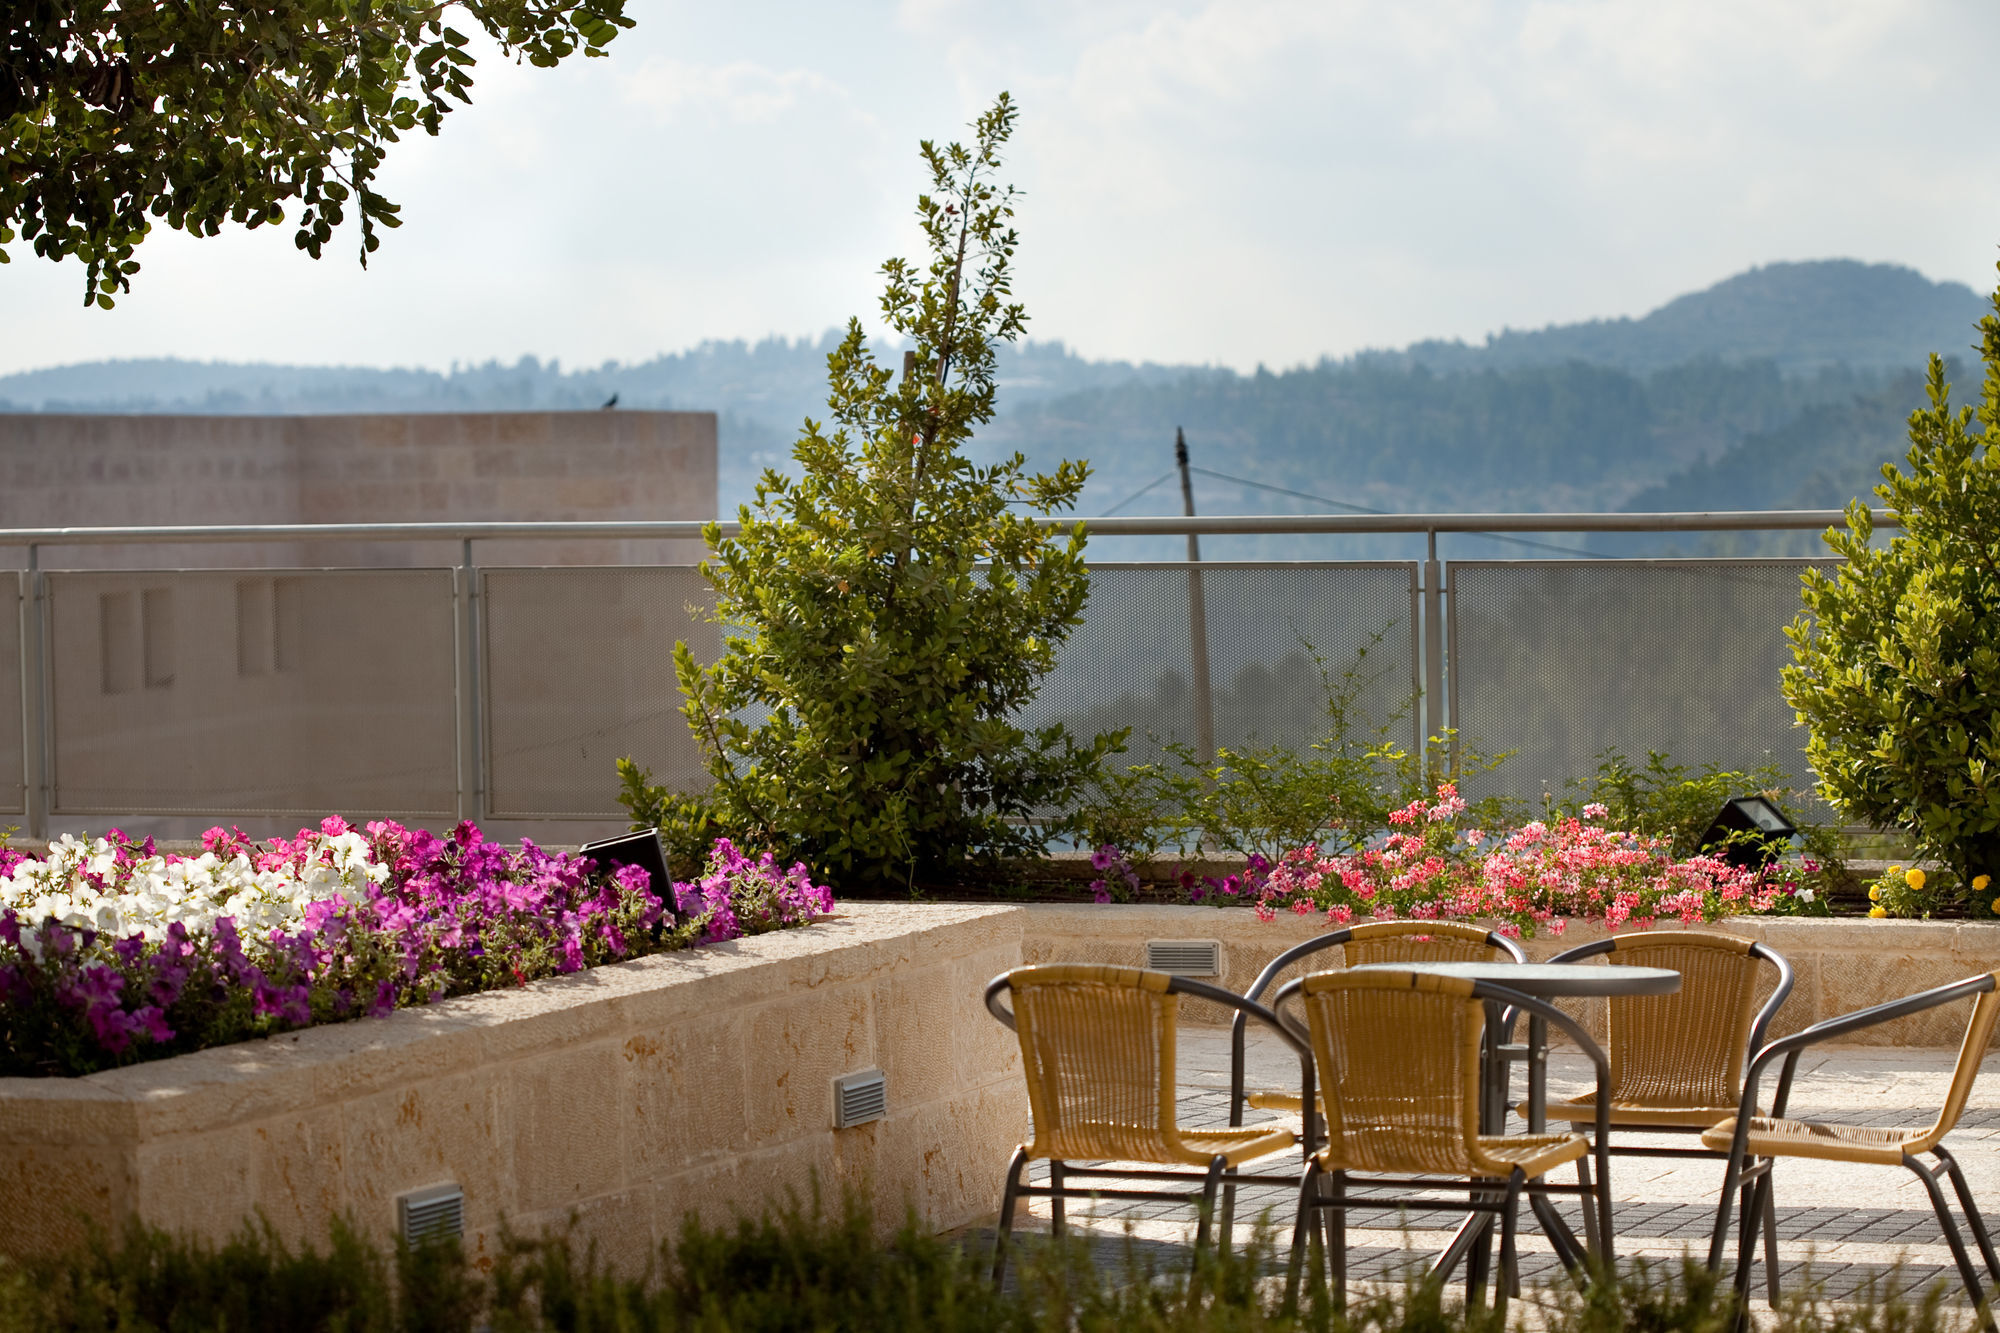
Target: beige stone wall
(627, 1095)
(1840, 964)
(59, 470)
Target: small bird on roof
(610, 403)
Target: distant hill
(1801, 317)
(1787, 381)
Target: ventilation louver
(859, 1098)
(436, 1213)
(1185, 958)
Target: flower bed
(112, 952)
(1540, 876)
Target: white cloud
(1230, 180)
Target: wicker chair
(1748, 1135)
(1399, 1061)
(1098, 1051)
(1370, 942)
(1677, 1060)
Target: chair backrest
(1397, 1055)
(1097, 1046)
(1978, 1032)
(1687, 1048)
(1421, 942)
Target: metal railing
(464, 691)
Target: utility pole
(1204, 706)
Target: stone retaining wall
(628, 1095)
(1841, 964)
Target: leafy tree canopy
(113, 114)
(1897, 656)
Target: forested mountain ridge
(1785, 385)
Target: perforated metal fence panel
(1560, 660)
(273, 692)
(13, 791)
(579, 672)
(1130, 663)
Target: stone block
(50, 1198)
(798, 1044)
(917, 1014)
(300, 1174)
(427, 1133)
(560, 1113)
(683, 1094)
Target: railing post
(1434, 718)
(35, 729)
(468, 692)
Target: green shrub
(1261, 801)
(889, 610)
(1663, 799)
(1897, 655)
(797, 1268)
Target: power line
(1136, 494)
(1363, 509)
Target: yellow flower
(1995, 905)
(1915, 879)
(1979, 883)
(1895, 870)
(1878, 911)
(1875, 893)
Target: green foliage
(1897, 655)
(796, 1270)
(687, 822)
(891, 608)
(1663, 799)
(1266, 800)
(201, 114)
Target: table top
(1551, 980)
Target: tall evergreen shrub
(890, 608)
(1897, 654)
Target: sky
(1236, 184)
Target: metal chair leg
(1205, 1227)
(1507, 1280)
(1337, 1251)
(1732, 1183)
(1479, 1261)
(1746, 1240)
(1058, 1223)
(1008, 1199)
(1971, 1209)
(1949, 1225)
(1308, 1202)
(1588, 1199)
(1767, 1193)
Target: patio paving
(1846, 1226)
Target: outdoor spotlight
(1749, 831)
(634, 849)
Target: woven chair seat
(1632, 1115)
(1535, 1154)
(1833, 1143)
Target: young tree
(892, 607)
(112, 112)
(1897, 655)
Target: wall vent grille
(1185, 958)
(860, 1098)
(436, 1213)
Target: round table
(1551, 981)
(1543, 981)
